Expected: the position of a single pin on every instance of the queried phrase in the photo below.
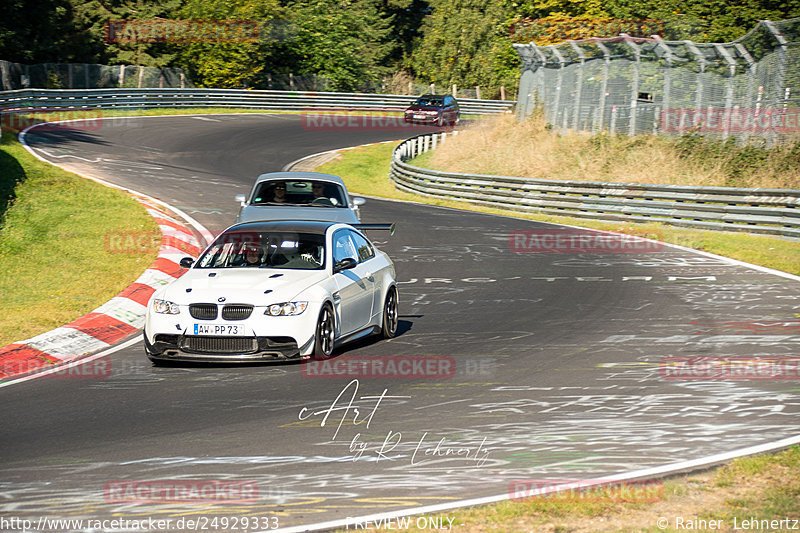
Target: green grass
(365, 171)
(55, 264)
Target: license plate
(232, 330)
(419, 116)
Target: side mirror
(186, 262)
(345, 264)
(357, 201)
(241, 198)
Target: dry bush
(504, 146)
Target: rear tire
(390, 316)
(324, 336)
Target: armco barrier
(768, 211)
(66, 99)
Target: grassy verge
(57, 259)
(504, 146)
(365, 171)
(758, 488)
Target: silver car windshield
(284, 250)
(307, 193)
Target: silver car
(299, 196)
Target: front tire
(390, 315)
(325, 334)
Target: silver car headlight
(165, 307)
(286, 309)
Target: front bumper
(175, 338)
(171, 347)
(427, 119)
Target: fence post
(665, 106)
(478, 91)
(122, 76)
(780, 95)
(454, 90)
(726, 131)
(433, 88)
(637, 56)
(601, 108)
(559, 86)
(701, 60)
(751, 82)
(578, 83)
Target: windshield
(285, 250)
(430, 101)
(299, 192)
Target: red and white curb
(120, 317)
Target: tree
(228, 64)
(39, 31)
(465, 42)
(343, 40)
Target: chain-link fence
(748, 89)
(88, 76)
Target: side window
(363, 246)
(343, 246)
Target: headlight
(165, 307)
(286, 309)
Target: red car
(435, 109)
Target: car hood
(253, 213)
(256, 286)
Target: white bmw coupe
(275, 290)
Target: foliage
(699, 20)
(228, 64)
(343, 40)
(39, 31)
(362, 43)
(555, 29)
(465, 42)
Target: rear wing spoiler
(382, 227)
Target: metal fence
(767, 211)
(32, 100)
(748, 89)
(87, 76)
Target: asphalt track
(558, 361)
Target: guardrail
(767, 211)
(74, 99)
